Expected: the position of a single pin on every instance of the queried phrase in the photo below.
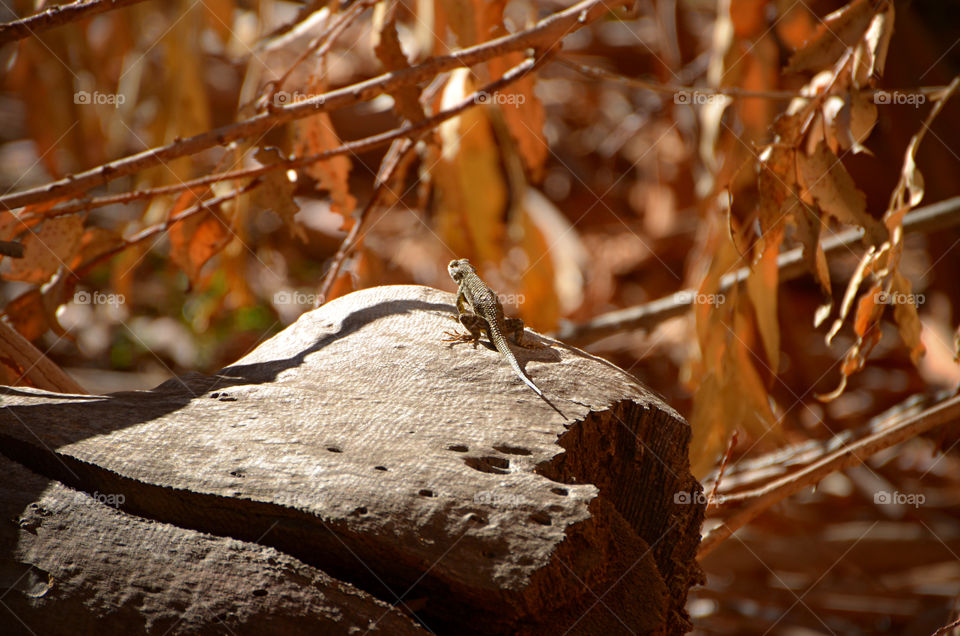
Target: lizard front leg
(474, 324)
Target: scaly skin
(480, 310)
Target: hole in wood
(259, 592)
(380, 468)
(512, 450)
(541, 517)
(489, 464)
(563, 492)
(426, 492)
(460, 448)
(334, 449)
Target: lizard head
(459, 269)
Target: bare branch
(57, 15)
(926, 219)
(545, 34)
(350, 147)
(728, 91)
(760, 499)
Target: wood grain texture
(357, 443)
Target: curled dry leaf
(45, 250)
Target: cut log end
(400, 482)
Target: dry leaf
(838, 31)
(470, 192)
(277, 190)
(762, 287)
(906, 316)
(871, 55)
(45, 250)
(827, 181)
(28, 315)
(195, 240)
(386, 44)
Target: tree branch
(57, 15)
(926, 219)
(545, 34)
(759, 499)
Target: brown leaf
(277, 190)
(96, 241)
(470, 191)
(28, 315)
(196, 239)
(46, 250)
(840, 30)
(315, 134)
(386, 45)
(523, 114)
(906, 316)
(762, 287)
(871, 55)
(825, 179)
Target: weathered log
(353, 462)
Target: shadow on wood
(353, 472)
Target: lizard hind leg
(514, 328)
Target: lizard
(479, 310)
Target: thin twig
(791, 264)
(390, 163)
(159, 228)
(728, 91)
(760, 499)
(57, 15)
(545, 34)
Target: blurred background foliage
(576, 191)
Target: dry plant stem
(712, 500)
(39, 371)
(791, 265)
(544, 35)
(729, 91)
(57, 15)
(759, 499)
(390, 163)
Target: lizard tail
(512, 359)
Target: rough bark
(354, 460)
